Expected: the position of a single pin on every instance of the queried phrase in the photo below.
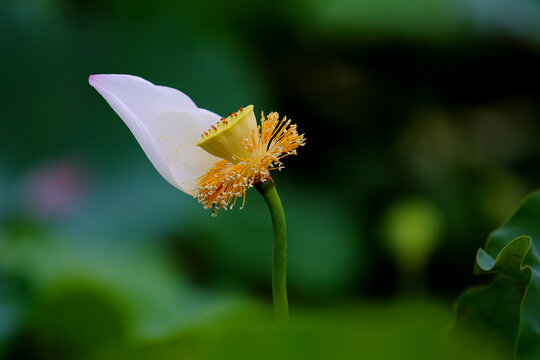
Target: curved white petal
(211, 117)
(165, 122)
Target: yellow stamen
(262, 151)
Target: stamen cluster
(269, 143)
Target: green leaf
(374, 331)
(85, 296)
(508, 309)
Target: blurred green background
(422, 127)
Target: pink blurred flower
(54, 189)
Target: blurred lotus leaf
(382, 331)
(85, 297)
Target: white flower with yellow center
(212, 158)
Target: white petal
(165, 122)
(211, 117)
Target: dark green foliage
(506, 311)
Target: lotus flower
(212, 158)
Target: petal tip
(92, 79)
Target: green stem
(279, 249)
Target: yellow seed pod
(227, 138)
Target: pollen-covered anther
(250, 153)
